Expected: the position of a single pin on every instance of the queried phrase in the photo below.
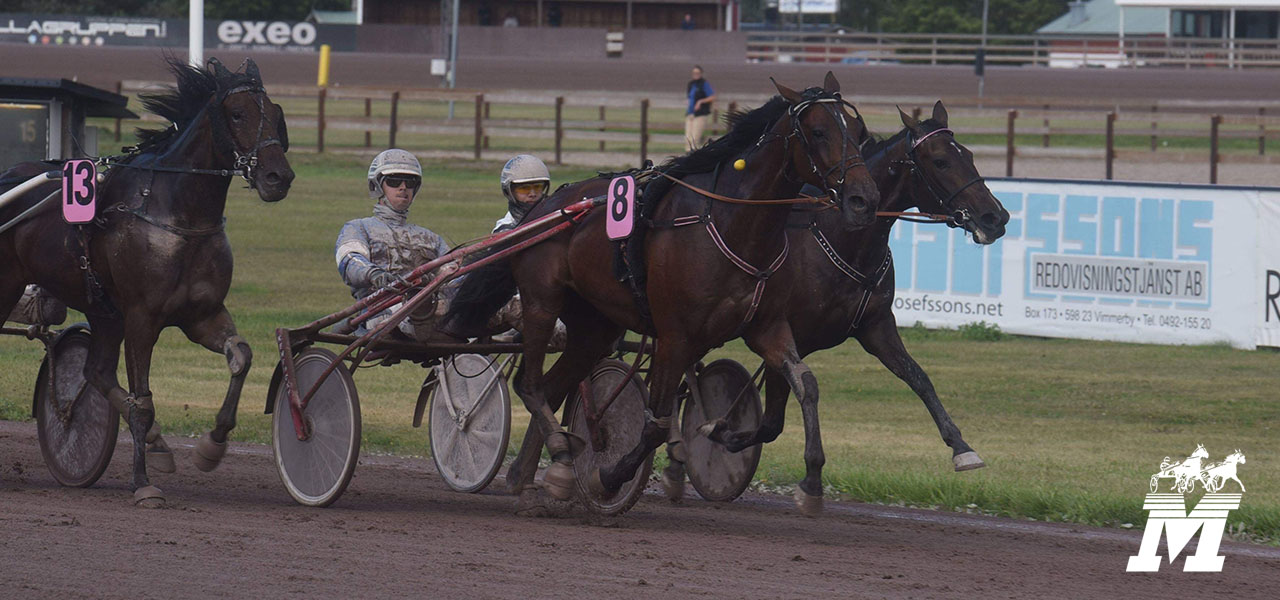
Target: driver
(376, 251)
(525, 181)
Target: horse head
(952, 182)
(253, 128)
(1200, 452)
(828, 155)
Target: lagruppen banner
(228, 34)
(1152, 263)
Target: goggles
(395, 181)
(526, 188)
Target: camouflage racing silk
(384, 241)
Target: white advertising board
(1107, 261)
(809, 7)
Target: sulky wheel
(618, 429)
(470, 421)
(718, 474)
(317, 470)
(76, 425)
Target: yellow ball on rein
(739, 164)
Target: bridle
(832, 104)
(244, 164)
(958, 217)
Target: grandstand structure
(715, 15)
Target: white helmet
(391, 162)
(523, 168)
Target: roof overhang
(1204, 4)
(96, 102)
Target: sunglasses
(525, 188)
(393, 181)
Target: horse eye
(237, 115)
(818, 133)
(941, 164)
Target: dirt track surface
(399, 532)
(103, 67)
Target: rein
(721, 198)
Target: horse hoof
(208, 453)
(673, 481)
(559, 481)
(531, 504)
(161, 460)
(595, 485)
(810, 506)
(968, 461)
(708, 428)
(148, 497)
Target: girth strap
(868, 283)
(761, 276)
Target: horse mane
(876, 146)
(181, 104)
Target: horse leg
(777, 347)
(589, 339)
(670, 360)
(776, 392)
(880, 338)
(137, 408)
(218, 333)
(539, 324)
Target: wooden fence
(1028, 127)
(1034, 50)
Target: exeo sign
(274, 33)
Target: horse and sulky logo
(1167, 512)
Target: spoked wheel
(76, 425)
(718, 474)
(470, 421)
(619, 428)
(317, 470)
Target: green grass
(1070, 430)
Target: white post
(195, 34)
(453, 54)
(359, 7)
(1124, 54)
(982, 79)
(1231, 36)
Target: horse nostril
(273, 178)
(990, 220)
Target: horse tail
(481, 294)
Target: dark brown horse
(158, 255)
(851, 273)
(704, 281)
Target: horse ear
(940, 113)
(251, 69)
(908, 120)
(830, 85)
(789, 94)
(219, 70)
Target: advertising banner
(1146, 263)
(69, 30)
(809, 7)
(230, 34)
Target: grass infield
(1070, 430)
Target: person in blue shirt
(699, 113)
